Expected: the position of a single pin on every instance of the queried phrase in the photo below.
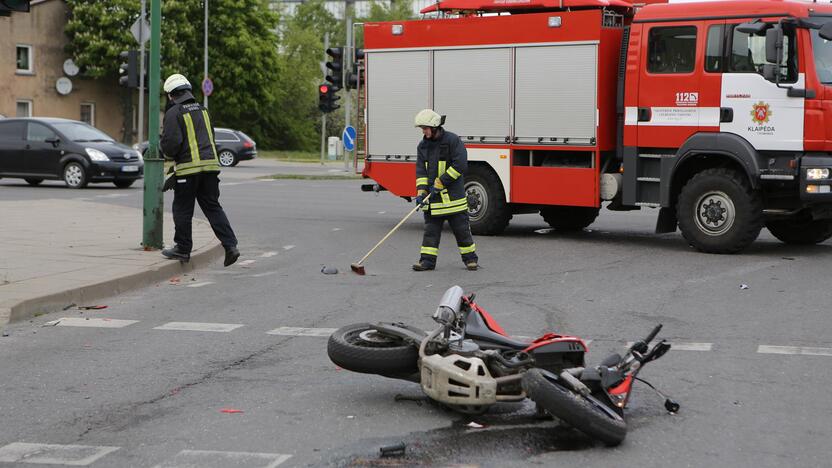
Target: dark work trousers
(433, 232)
(204, 187)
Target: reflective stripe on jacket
(188, 139)
(447, 159)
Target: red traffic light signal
(323, 89)
(327, 98)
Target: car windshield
(81, 132)
(822, 50)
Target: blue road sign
(207, 87)
(348, 137)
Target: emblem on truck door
(760, 113)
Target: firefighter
(188, 139)
(441, 160)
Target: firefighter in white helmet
(441, 160)
(188, 139)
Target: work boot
(175, 253)
(472, 265)
(231, 256)
(422, 266)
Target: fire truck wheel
(801, 231)
(569, 218)
(488, 211)
(718, 211)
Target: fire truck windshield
(822, 50)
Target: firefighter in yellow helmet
(441, 160)
(188, 139)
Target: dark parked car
(35, 149)
(233, 146)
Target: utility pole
(348, 53)
(205, 72)
(323, 114)
(154, 165)
(141, 72)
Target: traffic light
(336, 66)
(129, 69)
(355, 78)
(327, 98)
(8, 6)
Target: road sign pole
(141, 72)
(154, 165)
(347, 66)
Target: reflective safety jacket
(188, 139)
(447, 159)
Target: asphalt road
(139, 396)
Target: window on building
(748, 55)
(88, 113)
(24, 108)
(713, 49)
(24, 59)
(671, 49)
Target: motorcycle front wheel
(361, 348)
(572, 408)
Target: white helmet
(428, 118)
(176, 81)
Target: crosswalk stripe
(298, 331)
(801, 350)
(90, 322)
(199, 285)
(199, 326)
(213, 458)
(52, 454)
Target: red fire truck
(719, 114)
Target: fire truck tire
(361, 348)
(801, 231)
(572, 408)
(718, 212)
(488, 211)
(569, 218)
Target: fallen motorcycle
(469, 363)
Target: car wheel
(227, 158)
(75, 176)
(123, 183)
(33, 182)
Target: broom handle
(390, 233)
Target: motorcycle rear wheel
(361, 348)
(573, 409)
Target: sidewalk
(54, 253)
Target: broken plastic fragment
(744, 286)
(474, 425)
(92, 307)
(329, 270)
(230, 410)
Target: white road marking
(685, 346)
(298, 331)
(268, 254)
(91, 322)
(229, 184)
(50, 454)
(288, 247)
(212, 458)
(260, 275)
(382, 212)
(336, 229)
(111, 195)
(801, 350)
(199, 326)
(199, 285)
(246, 263)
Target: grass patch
(292, 156)
(311, 177)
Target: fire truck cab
(719, 113)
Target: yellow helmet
(176, 81)
(429, 118)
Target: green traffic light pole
(154, 165)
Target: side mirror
(770, 72)
(753, 28)
(774, 45)
(826, 31)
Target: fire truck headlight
(817, 174)
(554, 21)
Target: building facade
(37, 81)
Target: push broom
(358, 266)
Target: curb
(54, 302)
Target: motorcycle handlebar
(653, 334)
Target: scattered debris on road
(327, 270)
(744, 286)
(417, 399)
(230, 411)
(52, 323)
(92, 307)
(474, 425)
(70, 306)
(395, 450)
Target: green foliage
(265, 71)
